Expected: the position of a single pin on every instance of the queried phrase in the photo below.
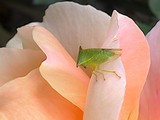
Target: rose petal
(18, 42)
(105, 97)
(150, 98)
(75, 25)
(15, 42)
(60, 70)
(27, 39)
(32, 98)
(17, 63)
(136, 60)
(112, 41)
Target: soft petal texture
(17, 63)
(32, 98)
(75, 25)
(27, 39)
(60, 70)
(150, 98)
(136, 60)
(15, 42)
(105, 97)
(21, 39)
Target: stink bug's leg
(111, 71)
(94, 74)
(97, 71)
(100, 73)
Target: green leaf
(46, 2)
(155, 7)
(144, 27)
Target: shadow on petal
(18, 63)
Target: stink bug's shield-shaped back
(93, 57)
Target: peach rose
(149, 102)
(40, 80)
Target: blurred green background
(15, 13)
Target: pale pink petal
(32, 98)
(15, 42)
(150, 98)
(136, 60)
(60, 70)
(111, 40)
(23, 38)
(105, 97)
(25, 33)
(76, 25)
(18, 62)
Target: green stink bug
(92, 58)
